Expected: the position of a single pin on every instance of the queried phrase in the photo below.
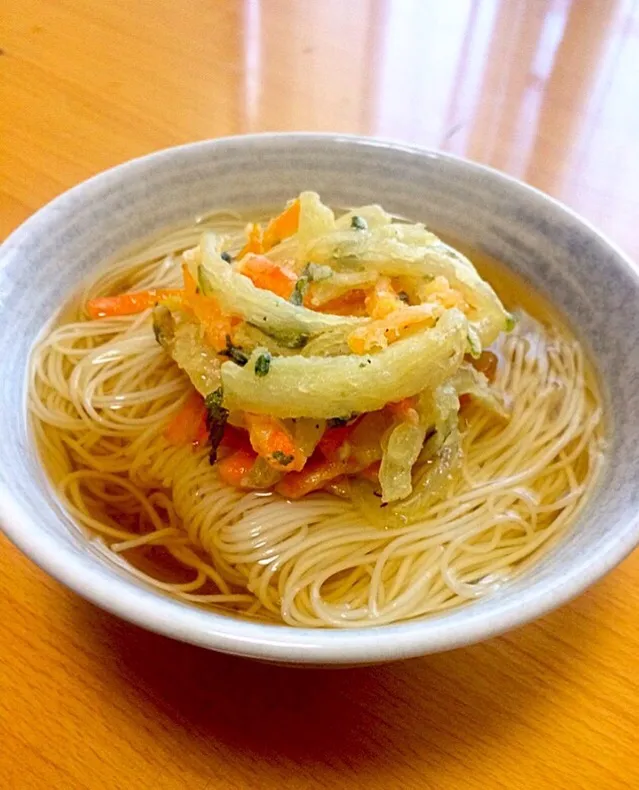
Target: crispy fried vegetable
(282, 226)
(402, 450)
(469, 381)
(261, 475)
(398, 250)
(335, 386)
(372, 215)
(275, 316)
(431, 481)
(327, 290)
(315, 220)
(268, 275)
(271, 440)
(306, 433)
(186, 344)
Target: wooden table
(547, 90)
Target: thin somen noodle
(500, 485)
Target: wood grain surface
(547, 90)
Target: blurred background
(547, 90)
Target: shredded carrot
(351, 303)
(486, 364)
(383, 300)
(202, 434)
(334, 444)
(439, 291)
(234, 468)
(282, 226)
(371, 472)
(270, 439)
(254, 241)
(217, 326)
(185, 427)
(381, 332)
(404, 410)
(315, 475)
(235, 439)
(268, 275)
(129, 303)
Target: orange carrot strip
(234, 468)
(129, 303)
(486, 364)
(333, 444)
(270, 439)
(253, 242)
(404, 410)
(371, 472)
(216, 324)
(185, 427)
(382, 331)
(235, 439)
(202, 434)
(382, 300)
(266, 274)
(315, 475)
(339, 486)
(282, 226)
(351, 303)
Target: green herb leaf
(226, 256)
(511, 322)
(216, 418)
(263, 364)
(287, 338)
(234, 353)
(282, 458)
(358, 223)
(214, 399)
(297, 297)
(312, 272)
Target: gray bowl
(590, 280)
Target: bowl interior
(556, 252)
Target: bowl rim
(171, 617)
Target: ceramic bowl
(586, 276)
